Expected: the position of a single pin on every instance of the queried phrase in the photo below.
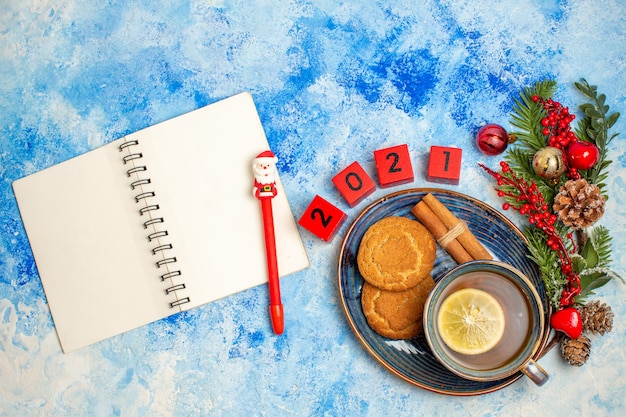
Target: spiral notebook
(154, 223)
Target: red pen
(264, 168)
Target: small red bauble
(568, 321)
(582, 155)
(492, 139)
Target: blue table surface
(333, 82)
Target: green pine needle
(527, 114)
(548, 262)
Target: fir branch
(548, 262)
(520, 161)
(527, 114)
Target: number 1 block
(322, 218)
(394, 166)
(444, 165)
(354, 184)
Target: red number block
(394, 166)
(354, 184)
(444, 165)
(322, 218)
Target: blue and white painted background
(333, 81)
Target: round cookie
(396, 253)
(396, 314)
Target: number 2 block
(444, 165)
(354, 184)
(393, 165)
(322, 218)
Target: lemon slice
(470, 321)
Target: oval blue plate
(412, 360)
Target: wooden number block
(322, 218)
(354, 184)
(393, 165)
(444, 165)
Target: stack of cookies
(396, 257)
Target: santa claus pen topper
(264, 168)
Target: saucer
(412, 360)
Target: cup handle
(535, 372)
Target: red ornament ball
(492, 139)
(582, 155)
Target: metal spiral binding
(150, 209)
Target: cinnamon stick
(466, 238)
(434, 225)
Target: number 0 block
(444, 165)
(354, 184)
(394, 166)
(322, 218)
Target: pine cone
(579, 204)
(576, 351)
(597, 317)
